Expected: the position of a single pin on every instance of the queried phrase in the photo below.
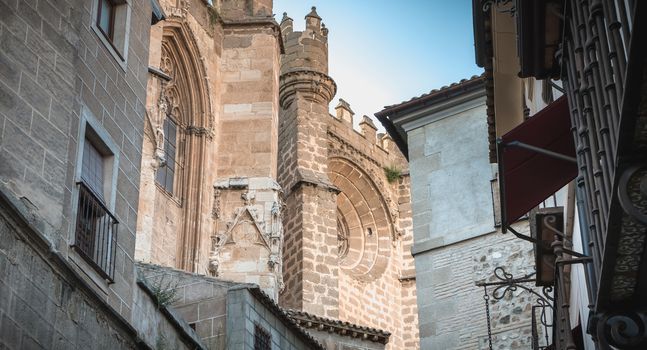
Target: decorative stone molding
(340, 148)
(250, 217)
(199, 131)
(215, 210)
(367, 230)
(180, 11)
(632, 195)
(315, 86)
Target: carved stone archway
(188, 104)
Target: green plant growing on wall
(213, 15)
(392, 173)
(165, 292)
(161, 343)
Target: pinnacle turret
(313, 21)
(286, 24)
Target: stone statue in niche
(162, 110)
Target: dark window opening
(106, 18)
(95, 236)
(262, 338)
(166, 174)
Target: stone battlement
(306, 49)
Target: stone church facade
(246, 176)
(170, 177)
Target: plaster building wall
(218, 83)
(456, 243)
(59, 79)
(348, 229)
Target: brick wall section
(53, 64)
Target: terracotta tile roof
(343, 328)
(434, 93)
(391, 113)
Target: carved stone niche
(247, 242)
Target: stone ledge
(17, 213)
(176, 320)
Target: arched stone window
(169, 173)
(186, 129)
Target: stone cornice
(343, 328)
(262, 22)
(316, 86)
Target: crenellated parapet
(304, 66)
(305, 50)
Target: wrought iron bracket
(506, 282)
(540, 151)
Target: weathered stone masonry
(347, 229)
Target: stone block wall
(200, 301)
(249, 100)
(47, 304)
(247, 310)
(225, 61)
(454, 305)
(55, 71)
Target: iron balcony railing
(595, 55)
(96, 232)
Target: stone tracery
(364, 222)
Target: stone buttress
(310, 223)
(212, 127)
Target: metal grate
(262, 338)
(595, 50)
(96, 232)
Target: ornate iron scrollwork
(505, 283)
(621, 330)
(509, 283)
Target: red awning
(527, 177)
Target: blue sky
(381, 54)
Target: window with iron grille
(262, 338)
(95, 236)
(166, 175)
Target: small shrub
(165, 293)
(392, 173)
(213, 15)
